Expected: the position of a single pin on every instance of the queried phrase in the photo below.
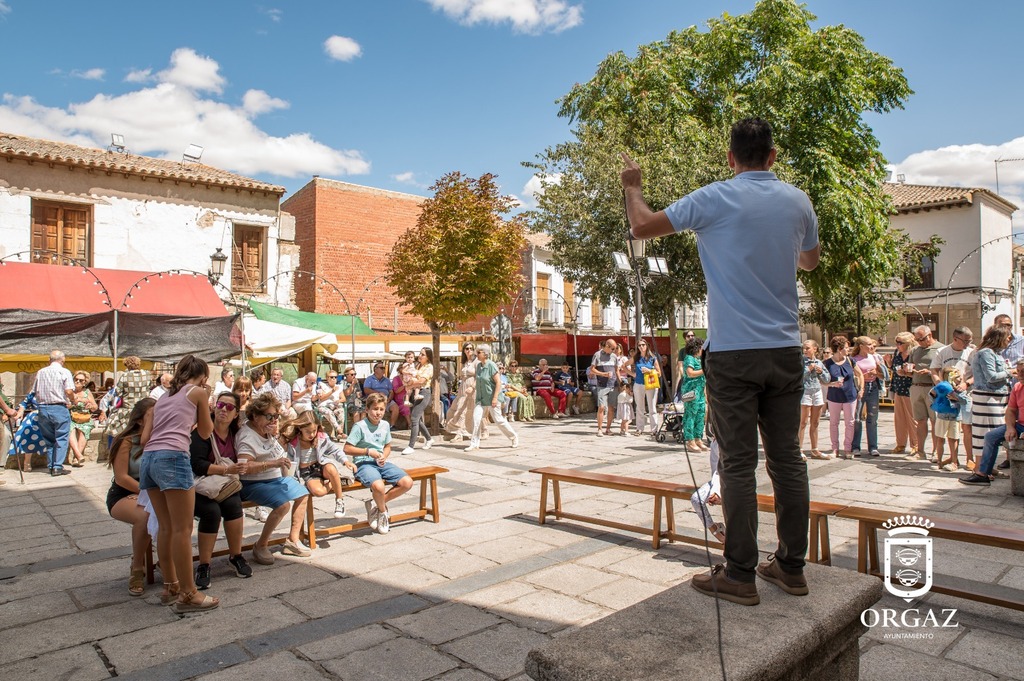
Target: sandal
(186, 604)
(170, 594)
(137, 582)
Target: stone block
(79, 663)
(673, 633)
(347, 643)
(500, 652)
(996, 653)
(1017, 470)
(282, 665)
(887, 662)
(545, 611)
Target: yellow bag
(651, 380)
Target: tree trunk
(435, 382)
(673, 344)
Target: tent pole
(115, 346)
(241, 329)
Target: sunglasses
(271, 417)
(226, 406)
(468, 347)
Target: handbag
(81, 417)
(651, 380)
(218, 487)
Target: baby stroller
(672, 418)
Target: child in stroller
(672, 418)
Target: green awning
(328, 323)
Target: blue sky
(395, 93)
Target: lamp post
(569, 308)
(990, 300)
(217, 262)
(656, 267)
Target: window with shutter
(248, 256)
(61, 232)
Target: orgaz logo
(908, 557)
(908, 575)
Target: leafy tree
(462, 259)
(671, 107)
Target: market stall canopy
(76, 309)
(266, 341)
(338, 324)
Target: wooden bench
(665, 493)
(869, 522)
(426, 475)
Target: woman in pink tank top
(166, 475)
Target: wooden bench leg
(670, 518)
(310, 524)
(656, 530)
(826, 543)
(862, 547)
(812, 551)
(423, 494)
(435, 511)
(543, 500)
(558, 498)
(873, 548)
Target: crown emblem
(908, 521)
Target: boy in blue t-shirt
(369, 445)
(947, 404)
(565, 382)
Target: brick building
(345, 233)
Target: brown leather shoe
(790, 583)
(743, 593)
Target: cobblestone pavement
(464, 599)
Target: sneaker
(203, 576)
(743, 593)
(339, 507)
(428, 444)
(976, 479)
(299, 549)
(856, 454)
(372, 514)
(262, 555)
(384, 524)
(803, 457)
(515, 442)
(471, 448)
(770, 571)
(510, 418)
(407, 451)
(1004, 466)
(261, 514)
(875, 452)
(842, 454)
(575, 410)
(242, 568)
(600, 433)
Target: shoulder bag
(218, 487)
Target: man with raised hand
(753, 232)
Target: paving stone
(35, 608)
(622, 593)
(443, 623)
(1001, 655)
(888, 662)
(399, 659)
(651, 567)
(500, 652)
(347, 643)
(464, 675)
(1013, 579)
(496, 595)
(187, 635)
(98, 543)
(570, 579)
(339, 595)
(545, 611)
(283, 665)
(481, 532)
(81, 627)
(507, 549)
(28, 520)
(37, 554)
(80, 663)
(455, 563)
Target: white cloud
(193, 71)
(257, 102)
(273, 13)
(526, 16)
(139, 76)
(88, 74)
(4, 7)
(535, 187)
(409, 178)
(971, 165)
(341, 48)
(164, 118)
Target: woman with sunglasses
(459, 424)
(903, 410)
(265, 481)
(165, 474)
(420, 393)
(642, 364)
(208, 455)
(81, 419)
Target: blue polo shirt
(750, 231)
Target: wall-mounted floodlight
(658, 266)
(117, 142)
(622, 262)
(192, 154)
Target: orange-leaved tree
(462, 259)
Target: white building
(974, 277)
(113, 209)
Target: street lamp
(656, 267)
(217, 262)
(990, 301)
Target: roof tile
(31, 148)
(911, 197)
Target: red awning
(65, 288)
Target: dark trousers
(751, 391)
